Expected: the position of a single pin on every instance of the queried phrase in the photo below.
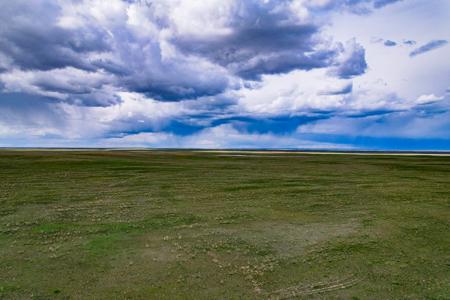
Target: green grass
(190, 225)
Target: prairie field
(147, 224)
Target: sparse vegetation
(192, 225)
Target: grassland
(191, 225)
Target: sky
(285, 74)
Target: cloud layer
(431, 45)
(177, 72)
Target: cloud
(390, 43)
(345, 89)
(212, 138)
(361, 7)
(316, 93)
(351, 60)
(435, 44)
(65, 84)
(382, 3)
(429, 98)
(23, 115)
(167, 50)
(256, 38)
(259, 42)
(89, 36)
(409, 42)
(31, 38)
(224, 73)
(429, 120)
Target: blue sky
(307, 74)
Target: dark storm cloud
(30, 36)
(266, 41)
(68, 89)
(43, 48)
(260, 44)
(282, 63)
(264, 37)
(173, 91)
(111, 67)
(428, 47)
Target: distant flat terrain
(293, 152)
(136, 224)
